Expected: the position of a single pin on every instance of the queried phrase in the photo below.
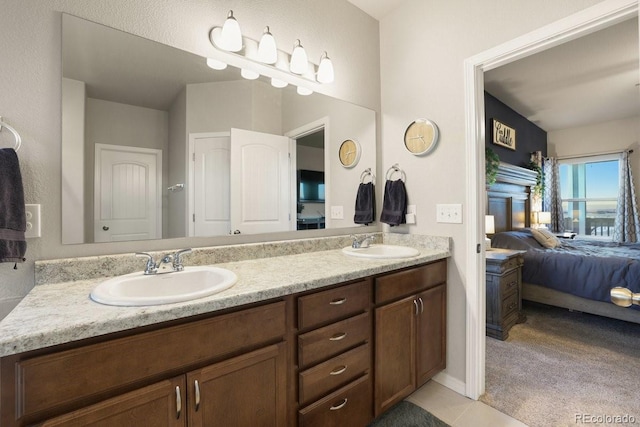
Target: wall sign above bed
(503, 135)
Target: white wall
(31, 86)
(423, 45)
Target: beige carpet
(563, 368)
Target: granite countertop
(58, 313)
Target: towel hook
(15, 133)
(367, 173)
(392, 170)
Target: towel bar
(392, 170)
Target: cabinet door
(158, 405)
(431, 330)
(394, 352)
(245, 391)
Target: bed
(577, 275)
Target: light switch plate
(32, 213)
(337, 212)
(449, 213)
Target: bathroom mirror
(155, 144)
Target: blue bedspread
(588, 269)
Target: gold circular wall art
(421, 137)
(349, 153)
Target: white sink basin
(382, 251)
(137, 289)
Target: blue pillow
(521, 240)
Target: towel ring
(367, 173)
(15, 133)
(393, 169)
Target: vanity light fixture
(278, 83)
(231, 36)
(325, 69)
(267, 50)
(299, 62)
(303, 91)
(215, 64)
(249, 74)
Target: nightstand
(504, 291)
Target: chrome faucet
(167, 264)
(362, 241)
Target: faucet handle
(151, 266)
(177, 259)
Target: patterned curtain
(627, 224)
(552, 202)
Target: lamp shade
(231, 36)
(299, 62)
(544, 217)
(325, 70)
(489, 224)
(215, 64)
(267, 50)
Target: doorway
(310, 181)
(585, 22)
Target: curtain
(627, 223)
(552, 202)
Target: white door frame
(587, 21)
(306, 129)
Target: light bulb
(267, 50)
(299, 62)
(215, 64)
(249, 74)
(303, 91)
(325, 69)
(231, 36)
(278, 83)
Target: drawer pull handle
(338, 336)
(338, 371)
(415, 303)
(338, 301)
(512, 305)
(512, 284)
(197, 387)
(340, 406)
(421, 305)
(178, 403)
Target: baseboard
(451, 383)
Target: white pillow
(545, 238)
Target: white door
(260, 182)
(127, 199)
(211, 203)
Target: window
(589, 192)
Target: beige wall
(31, 86)
(423, 45)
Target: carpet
(406, 414)
(563, 368)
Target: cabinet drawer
(349, 406)
(509, 283)
(335, 372)
(324, 343)
(96, 370)
(333, 304)
(509, 304)
(397, 285)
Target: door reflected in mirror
(155, 144)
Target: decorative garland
(492, 162)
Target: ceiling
(376, 8)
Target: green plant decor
(492, 162)
(538, 189)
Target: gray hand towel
(365, 204)
(13, 222)
(394, 205)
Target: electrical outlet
(337, 212)
(32, 213)
(450, 213)
(411, 209)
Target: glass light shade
(267, 50)
(299, 63)
(489, 224)
(303, 91)
(231, 36)
(278, 83)
(544, 217)
(249, 74)
(325, 70)
(215, 64)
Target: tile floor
(457, 410)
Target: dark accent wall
(529, 137)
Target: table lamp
(489, 228)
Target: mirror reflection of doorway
(310, 181)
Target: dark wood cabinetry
(410, 331)
(504, 287)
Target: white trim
(587, 21)
(450, 382)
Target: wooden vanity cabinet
(410, 331)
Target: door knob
(105, 228)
